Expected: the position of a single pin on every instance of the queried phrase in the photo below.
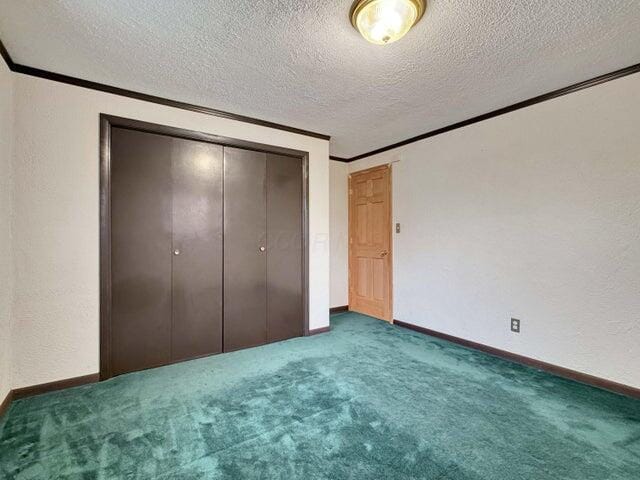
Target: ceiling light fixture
(385, 21)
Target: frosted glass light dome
(385, 21)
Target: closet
(206, 249)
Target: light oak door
(370, 242)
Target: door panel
(140, 250)
(284, 247)
(197, 238)
(377, 213)
(361, 217)
(370, 242)
(361, 277)
(378, 277)
(245, 226)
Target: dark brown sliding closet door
(166, 249)
(245, 252)
(284, 243)
(140, 250)
(206, 249)
(197, 249)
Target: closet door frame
(109, 121)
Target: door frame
(390, 223)
(109, 121)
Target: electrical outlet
(515, 325)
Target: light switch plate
(397, 228)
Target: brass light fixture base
(358, 5)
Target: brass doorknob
(384, 254)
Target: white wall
(339, 221)
(534, 214)
(56, 219)
(6, 257)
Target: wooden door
(370, 242)
(245, 249)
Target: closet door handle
(384, 254)
(262, 249)
(176, 252)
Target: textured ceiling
(300, 63)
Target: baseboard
(540, 365)
(340, 309)
(6, 403)
(316, 331)
(53, 386)
(18, 393)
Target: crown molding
(607, 77)
(58, 77)
(6, 57)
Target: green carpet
(366, 401)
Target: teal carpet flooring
(366, 401)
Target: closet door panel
(284, 247)
(245, 283)
(197, 248)
(140, 250)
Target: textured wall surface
(6, 257)
(301, 63)
(535, 215)
(339, 208)
(56, 235)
